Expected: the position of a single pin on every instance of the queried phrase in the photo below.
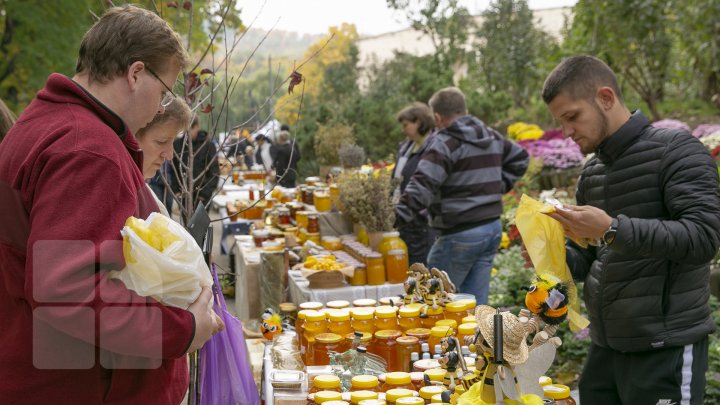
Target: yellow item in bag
(544, 240)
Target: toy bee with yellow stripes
(548, 298)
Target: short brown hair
(125, 35)
(178, 112)
(448, 102)
(580, 76)
(418, 113)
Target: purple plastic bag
(225, 374)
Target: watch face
(609, 236)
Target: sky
(371, 17)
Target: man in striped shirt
(460, 179)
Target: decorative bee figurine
(271, 324)
(548, 298)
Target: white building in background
(379, 48)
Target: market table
(247, 268)
(300, 291)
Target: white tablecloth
(247, 272)
(300, 292)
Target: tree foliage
(698, 31)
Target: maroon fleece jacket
(70, 175)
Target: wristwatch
(609, 236)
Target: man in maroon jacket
(70, 175)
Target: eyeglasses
(169, 96)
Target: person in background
(205, 167)
(650, 196)
(70, 177)
(156, 141)
(286, 155)
(461, 178)
(7, 119)
(417, 124)
(263, 152)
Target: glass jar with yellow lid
(338, 304)
(324, 343)
(436, 399)
(321, 200)
(436, 374)
(315, 324)
(560, 393)
(339, 322)
(364, 382)
(456, 310)
(428, 392)
(326, 382)
(430, 315)
(423, 334)
(392, 395)
(448, 322)
(359, 275)
(470, 304)
(363, 319)
(331, 243)
(313, 305)
(406, 345)
(437, 333)
(466, 329)
(469, 319)
(409, 318)
(375, 266)
(357, 396)
(386, 318)
(384, 345)
(323, 397)
(398, 379)
(364, 302)
(410, 401)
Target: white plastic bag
(162, 261)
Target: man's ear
(606, 97)
(133, 74)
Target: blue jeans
(467, 257)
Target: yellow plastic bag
(162, 261)
(544, 240)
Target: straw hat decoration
(515, 348)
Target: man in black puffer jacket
(651, 197)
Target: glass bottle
(406, 345)
(283, 216)
(299, 330)
(375, 268)
(384, 346)
(409, 318)
(325, 382)
(312, 225)
(301, 219)
(364, 382)
(386, 318)
(331, 243)
(396, 266)
(321, 199)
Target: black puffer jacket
(650, 289)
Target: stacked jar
(339, 322)
(437, 333)
(324, 343)
(395, 257)
(430, 315)
(362, 320)
(397, 379)
(456, 310)
(315, 324)
(409, 318)
(384, 345)
(375, 266)
(325, 382)
(406, 345)
(386, 318)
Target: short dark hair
(125, 35)
(580, 76)
(448, 102)
(418, 113)
(284, 127)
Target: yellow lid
(544, 380)
(311, 305)
(339, 315)
(418, 332)
(338, 304)
(432, 311)
(365, 302)
(362, 313)
(328, 338)
(364, 381)
(314, 316)
(410, 401)
(556, 391)
(436, 374)
(456, 306)
(447, 322)
(371, 402)
(357, 396)
(397, 378)
(366, 336)
(469, 319)
(397, 393)
(428, 392)
(414, 305)
(436, 399)
(386, 312)
(406, 312)
(324, 396)
(459, 389)
(287, 307)
(337, 403)
(467, 328)
(388, 334)
(325, 381)
(407, 340)
(441, 331)
(470, 303)
(303, 312)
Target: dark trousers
(419, 238)
(674, 375)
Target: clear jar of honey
(324, 343)
(364, 382)
(325, 382)
(386, 318)
(283, 216)
(359, 275)
(312, 224)
(456, 310)
(469, 319)
(375, 268)
(422, 334)
(430, 315)
(322, 200)
(301, 219)
(331, 243)
(396, 266)
(384, 345)
(448, 322)
(362, 320)
(315, 324)
(409, 318)
(405, 346)
(398, 379)
(339, 322)
(437, 333)
(466, 329)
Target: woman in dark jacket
(418, 124)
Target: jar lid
(428, 392)
(408, 340)
(544, 380)
(357, 396)
(372, 402)
(410, 401)
(459, 389)
(467, 328)
(406, 312)
(394, 394)
(328, 338)
(336, 403)
(391, 301)
(420, 333)
(414, 305)
(287, 307)
(432, 311)
(436, 399)
(556, 391)
(438, 331)
(388, 334)
(470, 303)
(330, 238)
(362, 313)
(322, 397)
(373, 255)
(447, 322)
(365, 302)
(364, 381)
(469, 319)
(311, 305)
(337, 304)
(302, 314)
(314, 316)
(339, 315)
(326, 381)
(456, 306)
(386, 312)
(397, 252)
(397, 378)
(436, 374)
(366, 336)
(393, 234)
